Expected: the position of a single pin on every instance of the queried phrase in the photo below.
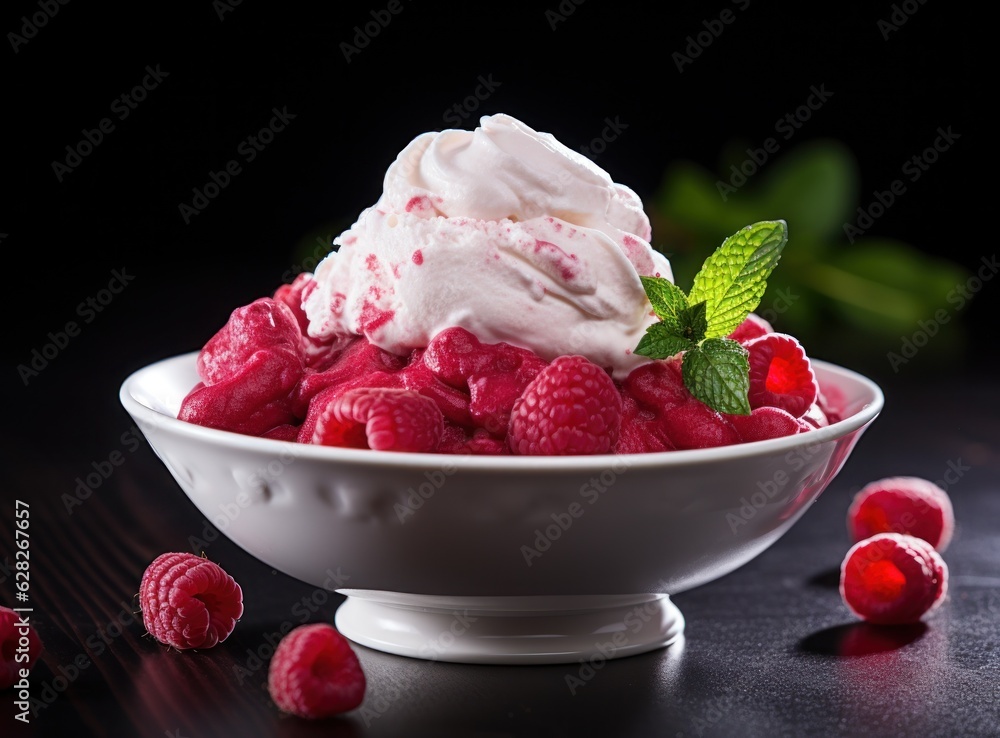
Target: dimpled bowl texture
(493, 528)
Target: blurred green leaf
(814, 189)
(857, 300)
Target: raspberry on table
(910, 505)
(383, 419)
(893, 578)
(315, 673)
(781, 374)
(10, 641)
(571, 407)
(188, 601)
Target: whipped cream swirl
(503, 231)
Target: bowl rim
(148, 418)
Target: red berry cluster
(189, 602)
(263, 375)
(894, 572)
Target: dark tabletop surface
(769, 649)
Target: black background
(119, 207)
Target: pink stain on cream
(557, 258)
(518, 235)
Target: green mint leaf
(660, 342)
(717, 372)
(693, 323)
(733, 279)
(668, 300)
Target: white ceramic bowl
(498, 559)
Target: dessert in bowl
(458, 422)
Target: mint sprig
(728, 287)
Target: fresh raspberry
(892, 578)
(318, 354)
(293, 295)
(253, 400)
(359, 359)
(188, 601)
(383, 419)
(493, 375)
(263, 325)
(694, 424)
(763, 423)
(657, 385)
(319, 403)
(641, 433)
(458, 440)
(16, 642)
(571, 407)
(910, 505)
(814, 417)
(753, 326)
(781, 374)
(453, 403)
(315, 673)
(454, 355)
(284, 432)
(832, 402)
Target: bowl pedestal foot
(509, 630)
